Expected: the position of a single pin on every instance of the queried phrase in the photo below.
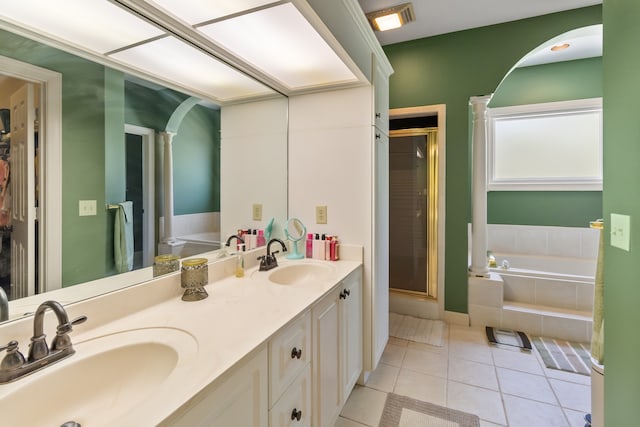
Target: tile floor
(502, 385)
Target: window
(554, 146)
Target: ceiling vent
(393, 17)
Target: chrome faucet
(269, 261)
(14, 365)
(4, 305)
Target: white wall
(253, 166)
(331, 163)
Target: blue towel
(123, 237)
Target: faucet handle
(13, 359)
(62, 340)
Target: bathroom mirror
(97, 102)
(295, 232)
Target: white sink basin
(293, 274)
(103, 381)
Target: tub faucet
(234, 236)
(4, 305)
(14, 365)
(269, 261)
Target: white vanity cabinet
(351, 339)
(240, 399)
(337, 348)
(290, 356)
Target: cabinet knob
(296, 353)
(378, 115)
(377, 136)
(343, 295)
(347, 292)
(296, 415)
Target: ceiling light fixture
(559, 47)
(393, 17)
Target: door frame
(49, 212)
(401, 302)
(148, 188)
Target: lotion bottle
(240, 261)
(309, 247)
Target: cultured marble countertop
(239, 316)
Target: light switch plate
(321, 214)
(87, 208)
(257, 211)
(620, 231)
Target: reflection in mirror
(295, 232)
(107, 133)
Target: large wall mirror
(226, 157)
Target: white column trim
(167, 138)
(479, 186)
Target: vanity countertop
(239, 315)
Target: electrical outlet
(257, 212)
(87, 207)
(321, 214)
(620, 231)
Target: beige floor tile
(473, 373)
(398, 341)
(444, 350)
(487, 404)
(529, 386)
(421, 387)
(576, 418)
(484, 423)
(517, 360)
(364, 406)
(471, 351)
(426, 362)
(344, 422)
(383, 378)
(393, 354)
(466, 334)
(528, 413)
(572, 396)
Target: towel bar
(110, 206)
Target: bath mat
(402, 411)
(508, 337)
(564, 355)
(415, 329)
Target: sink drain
(71, 424)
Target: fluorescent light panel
(198, 11)
(95, 25)
(391, 18)
(282, 44)
(173, 60)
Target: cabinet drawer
(289, 353)
(294, 407)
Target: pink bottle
(309, 247)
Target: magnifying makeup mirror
(295, 231)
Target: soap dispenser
(240, 261)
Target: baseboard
(455, 318)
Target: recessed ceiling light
(559, 47)
(393, 17)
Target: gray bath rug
(415, 329)
(402, 411)
(564, 355)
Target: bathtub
(565, 283)
(198, 243)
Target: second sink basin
(105, 379)
(293, 274)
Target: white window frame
(562, 108)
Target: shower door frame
(409, 301)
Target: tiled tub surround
(236, 321)
(548, 287)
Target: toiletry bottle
(260, 240)
(240, 261)
(247, 240)
(333, 250)
(253, 238)
(327, 248)
(309, 246)
(318, 247)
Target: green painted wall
(448, 69)
(622, 196)
(561, 81)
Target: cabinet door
(351, 343)
(380, 99)
(326, 348)
(239, 400)
(294, 407)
